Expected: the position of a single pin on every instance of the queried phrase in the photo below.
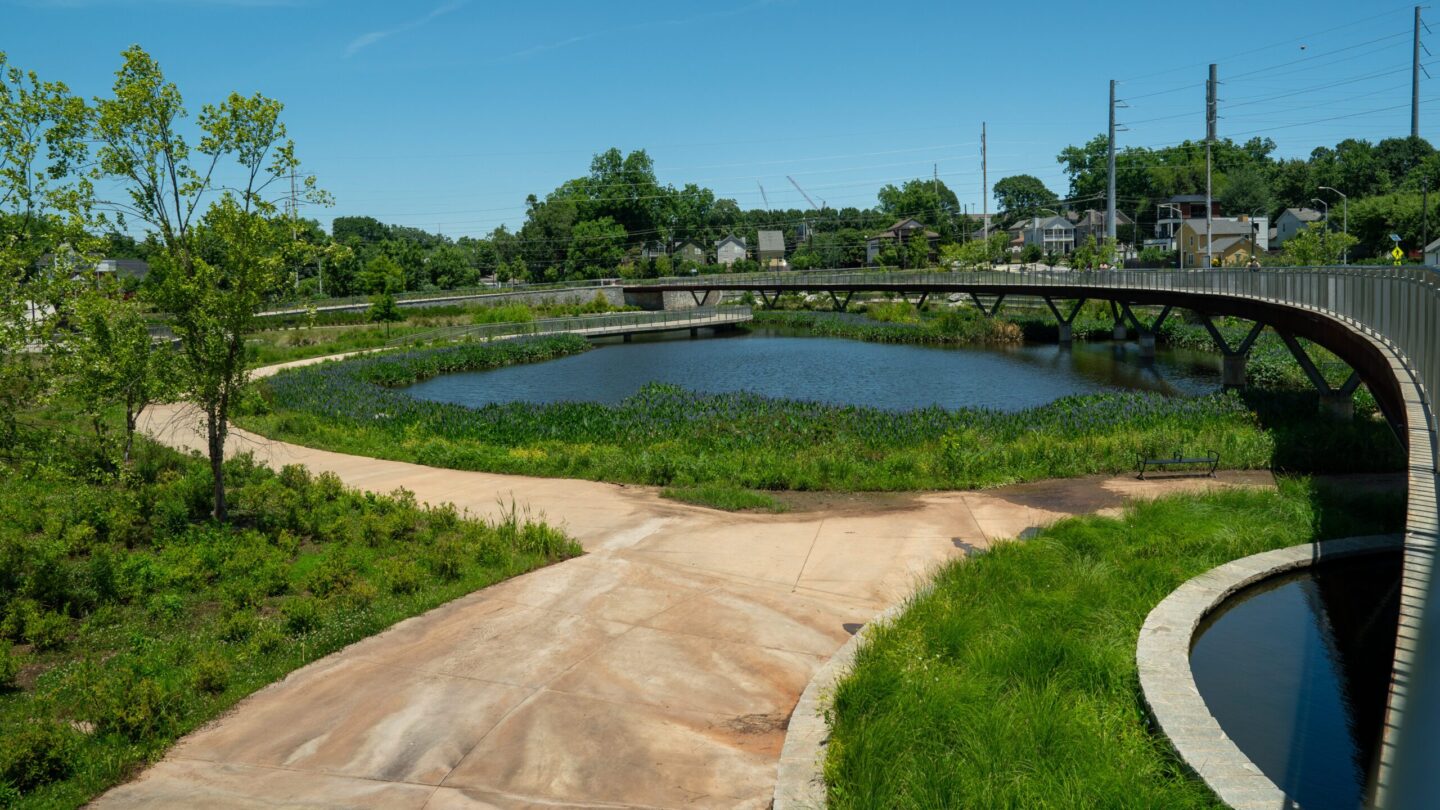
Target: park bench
(1210, 460)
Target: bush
(36, 754)
(9, 665)
(211, 672)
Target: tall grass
(1012, 682)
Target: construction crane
(803, 194)
(762, 195)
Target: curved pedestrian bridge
(1384, 322)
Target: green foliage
(381, 275)
(1317, 245)
(1023, 195)
(1012, 681)
(1031, 254)
(719, 495)
(384, 309)
(147, 619)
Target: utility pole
(1209, 141)
(1415, 80)
(984, 184)
(1425, 216)
(1110, 183)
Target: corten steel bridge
(1383, 322)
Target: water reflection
(1296, 671)
(773, 363)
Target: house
(903, 231)
(1092, 223)
(652, 250)
(1234, 240)
(1432, 254)
(771, 252)
(729, 250)
(689, 251)
(1292, 221)
(1170, 214)
(1051, 234)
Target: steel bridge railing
(611, 323)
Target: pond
(847, 372)
(1296, 670)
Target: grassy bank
(1012, 683)
(127, 618)
(298, 337)
(667, 436)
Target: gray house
(690, 251)
(729, 250)
(1052, 234)
(902, 231)
(1292, 221)
(772, 250)
(1092, 223)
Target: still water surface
(1296, 671)
(891, 376)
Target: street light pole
(1345, 217)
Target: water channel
(1296, 670)
(780, 364)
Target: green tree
(108, 360)
(598, 246)
(381, 275)
(219, 259)
(1023, 195)
(1317, 245)
(45, 205)
(1246, 191)
(384, 309)
(1031, 254)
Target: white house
(1292, 221)
(729, 250)
(1432, 254)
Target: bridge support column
(1234, 366)
(1233, 370)
(626, 337)
(694, 332)
(1336, 402)
(992, 310)
(840, 305)
(1146, 334)
(1066, 326)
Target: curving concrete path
(657, 670)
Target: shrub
(211, 672)
(301, 614)
(35, 753)
(9, 665)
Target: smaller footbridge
(615, 324)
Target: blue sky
(444, 115)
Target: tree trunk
(131, 417)
(215, 430)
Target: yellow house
(1232, 244)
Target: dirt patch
(847, 503)
(758, 723)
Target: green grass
(1012, 682)
(730, 498)
(127, 618)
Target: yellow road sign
(1397, 252)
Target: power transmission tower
(762, 195)
(1110, 163)
(1415, 80)
(984, 184)
(1209, 142)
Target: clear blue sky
(446, 113)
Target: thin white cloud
(365, 40)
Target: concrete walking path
(658, 670)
